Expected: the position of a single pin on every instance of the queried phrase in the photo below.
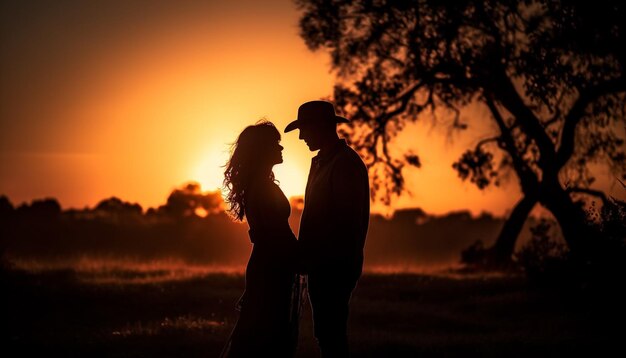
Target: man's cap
(315, 112)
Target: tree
(116, 206)
(551, 74)
(189, 201)
(47, 209)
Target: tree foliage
(550, 72)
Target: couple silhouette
(328, 253)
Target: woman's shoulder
(269, 192)
(267, 201)
(259, 187)
(260, 191)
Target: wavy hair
(242, 168)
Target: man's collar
(325, 155)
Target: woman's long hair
(242, 168)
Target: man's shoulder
(350, 161)
(348, 155)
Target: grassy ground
(62, 313)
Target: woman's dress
(270, 305)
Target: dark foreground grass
(57, 314)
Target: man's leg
(330, 299)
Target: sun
(208, 171)
(291, 179)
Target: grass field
(66, 313)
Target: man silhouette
(333, 225)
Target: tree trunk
(503, 248)
(498, 256)
(571, 218)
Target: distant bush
(6, 210)
(5, 264)
(606, 254)
(544, 258)
(474, 254)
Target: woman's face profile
(275, 153)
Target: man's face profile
(310, 134)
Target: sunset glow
(136, 111)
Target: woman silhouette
(270, 305)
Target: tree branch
(528, 179)
(592, 192)
(512, 101)
(576, 113)
(487, 140)
(557, 111)
(506, 93)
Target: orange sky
(135, 99)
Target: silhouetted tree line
(193, 226)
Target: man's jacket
(336, 212)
